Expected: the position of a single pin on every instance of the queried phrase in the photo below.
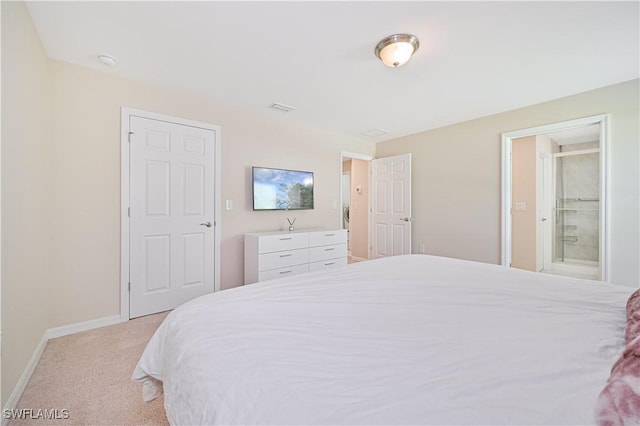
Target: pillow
(633, 317)
(619, 401)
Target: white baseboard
(65, 330)
(51, 333)
(12, 402)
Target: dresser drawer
(281, 259)
(282, 242)
(325, 238)
(326, 264)
(317, 254)
(283, 272)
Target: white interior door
(542, 216)
(172, 229)
(391, 205)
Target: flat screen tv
(278, 189)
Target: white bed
(405, 340)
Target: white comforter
(403, 340)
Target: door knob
(207, 224)
(544, 219)
(406, 219)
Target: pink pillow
(619, 401)
(633, 317)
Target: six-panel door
(171, 217)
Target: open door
(391, 206)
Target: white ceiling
(475, 58)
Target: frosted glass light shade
(397, 49)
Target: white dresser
(269, 255)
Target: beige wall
(26, 192)
(525, 164)
(86, 246)
(359, 211)
(524, 241)
(456, 177)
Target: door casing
(125, 115)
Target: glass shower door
(577, 209)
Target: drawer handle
(286, 255)
(329, 249)
(285, 272)
(287, 238)
(330, 263)
(329, 235)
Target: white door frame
(125, 115)
(365, 157)
(603, 121)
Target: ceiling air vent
(374, 133)
(281, 107)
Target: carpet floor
(89, 375)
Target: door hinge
(130, 133)
(129, 285)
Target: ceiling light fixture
(397, 49)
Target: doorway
(170, 212)
(561, 228)
(355, 207)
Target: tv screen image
(279, 189)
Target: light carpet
(89, 374)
